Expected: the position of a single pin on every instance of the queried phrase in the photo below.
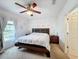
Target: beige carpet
(14, 53)
(57, 53)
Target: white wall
(43, 23)
(44, 20)
(71, 4)
(21, 25)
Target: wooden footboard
(36, 48)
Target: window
(9, 31)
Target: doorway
(71, 41)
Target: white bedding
(41, 39)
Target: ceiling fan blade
(34, 5)
(20, 5)
(23, 11)
(36, 11)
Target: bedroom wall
(44, 20)
(21, 25)
(71, 4)
(44, 23)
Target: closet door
(72, 35)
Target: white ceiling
(45, 6)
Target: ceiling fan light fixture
(30, 13)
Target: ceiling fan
(30, 7)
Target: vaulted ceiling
(45, 6)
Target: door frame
(67, 32)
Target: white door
(72, 34)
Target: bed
(38, 41)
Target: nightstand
(54, 39)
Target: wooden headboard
(41, 30)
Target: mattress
(41, 39)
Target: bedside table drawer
(54, 39)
